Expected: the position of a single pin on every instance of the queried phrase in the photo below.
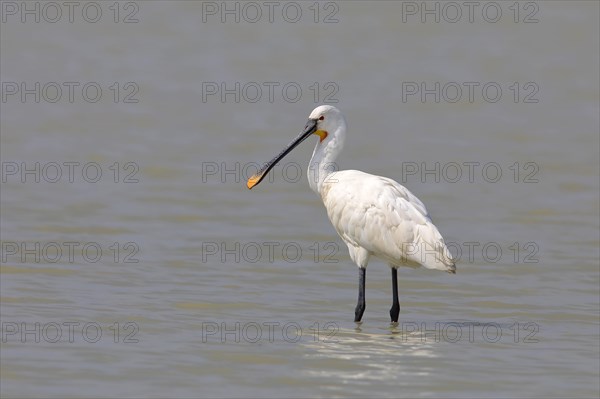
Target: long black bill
(310, 128)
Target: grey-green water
(206, 289)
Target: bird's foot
(395, 313)
(358, 312)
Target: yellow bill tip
(253, 181)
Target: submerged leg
(361, 305)
(395, 310)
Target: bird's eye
(321, 118)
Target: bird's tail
(451, 268)
(434, 253)
(445, 258)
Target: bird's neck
(322, 163)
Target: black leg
(395, 310)
(361, 305)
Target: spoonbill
(374, 215)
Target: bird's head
(325, 121)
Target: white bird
(374, 215)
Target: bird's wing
(385, 218)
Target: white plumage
(374, 215)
